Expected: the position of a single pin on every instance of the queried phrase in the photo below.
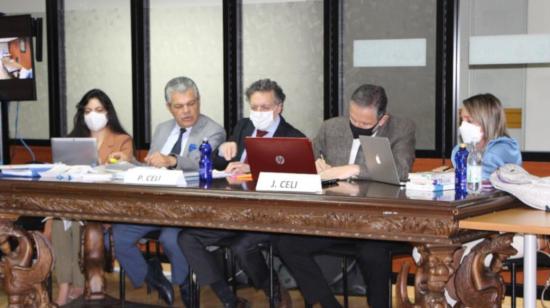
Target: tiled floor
(208, 300)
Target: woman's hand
(116, 157)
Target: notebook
(74, 151)
(379, 159)
(279, 154)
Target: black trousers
(244, 246)
(372, 256)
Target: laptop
(74, 151)
(279, 154)
(379, 160)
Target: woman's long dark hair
(80, 128)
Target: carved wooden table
(354, 210)
(526, 221)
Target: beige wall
(537, 98)
(98, 54)
(410, 89)
(283, 41)
(522, 86)
(187, 40)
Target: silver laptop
(379, 160)
(74, 151)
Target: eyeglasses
(179, 106)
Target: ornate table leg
(436, 266)
(478, 285)
(469, 281)
(92, 261)
(24, 280)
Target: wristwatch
(176, 164)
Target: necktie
(177, 146)
(261, 133)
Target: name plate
(289, 182)
(154, 176)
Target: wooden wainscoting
(20, 155)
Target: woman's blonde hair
(487, 110)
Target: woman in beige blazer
(95, 117)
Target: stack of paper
(79, 173)
(216, 174)
(431, 181)
(26, 170)
(439, 195)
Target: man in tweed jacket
(368, 116)
(340, 157)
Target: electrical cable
(546, 286)
(21, 138)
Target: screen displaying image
(16, 59)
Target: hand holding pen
(321, 164)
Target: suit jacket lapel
(347, 139)
(282, 129)
(383, 131)
(106, 147)
(247, 131)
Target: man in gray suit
(175, 145)
(340, 157)
(176, 142)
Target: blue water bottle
(461, 160)
(205, 163)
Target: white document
(216, 174)
(24, 170)
(77, 173)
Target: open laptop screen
(74, 151)
(379, 159)
(280, 154)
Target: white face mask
(95, 121)
(261, 119)
(470, 133)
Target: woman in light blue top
(484, 124)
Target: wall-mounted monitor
(17, 75)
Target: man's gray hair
(371, 95)
(181, 85)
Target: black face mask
(357, 131)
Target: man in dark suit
(266, 100)
(340, 156)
